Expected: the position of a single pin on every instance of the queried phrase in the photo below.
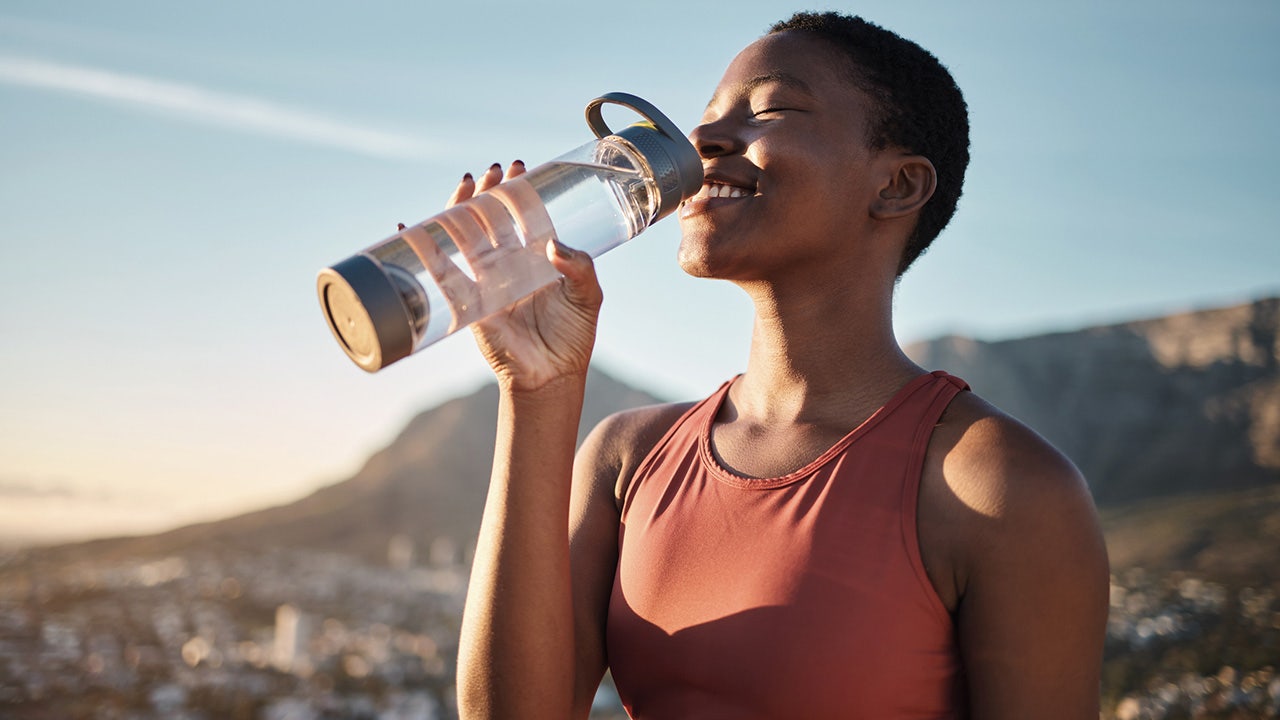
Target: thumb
(581, 285)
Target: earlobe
(910, 185)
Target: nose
(715, 138)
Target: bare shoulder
(618, 444)
(1010, 538)
(994, 493)
(998, 466)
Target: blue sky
(172, 177)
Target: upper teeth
(717, 190)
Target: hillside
(1186, 406)
(428, 483)
(1188, 403)
(1229, 537)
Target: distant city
(300, 635)
(1188, 648)
(282, 635)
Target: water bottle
(480, 256)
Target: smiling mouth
(713, 194)
(718, 190)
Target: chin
(695, 256)
(710, 266)
(695, 267)
(699, 272)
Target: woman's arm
(517, 654)
(517, 650)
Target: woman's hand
(549, 335)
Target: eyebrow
(785, 79)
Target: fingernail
(518, 162)
(399, 226)
(495, 166)
(561, 249)
(467, 178)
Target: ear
(910, 184)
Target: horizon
(10, 543)
(176, 177)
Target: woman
(834, 533)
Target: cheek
(815, 207)
(824, 189)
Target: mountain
(1184, 404)
(428, 484)
(1174, 421)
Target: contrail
(210, 106)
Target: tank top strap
(944, 389)
(957, 382)
(932, 403)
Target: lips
(717, 190)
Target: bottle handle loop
(595, 116)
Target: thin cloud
(21, 487)
(18, 487)
(197, 104)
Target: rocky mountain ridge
(1155, 410)
(1188, 403)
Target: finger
(458, 289)
(491, 177)
(498, 230)
(516, 169)
(581, 285)
(399, 226)
(526, 208)
(466, 188)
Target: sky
(173, 176)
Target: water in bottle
(480, 256)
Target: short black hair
(917, 106)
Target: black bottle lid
(365, 312)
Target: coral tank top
(801, 596)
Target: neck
(822, 356)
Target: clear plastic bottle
(480, 256)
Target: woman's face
(788, 171)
